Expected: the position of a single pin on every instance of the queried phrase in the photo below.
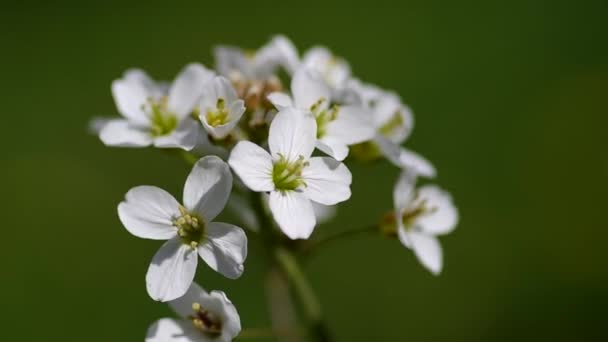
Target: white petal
(98, 123)
(171, 271)
(416, 163)
(333, 147)
(225, 250)
(288, 54)
(444, 217)
(335, 70)
(187, 89)
(389, 149)
(185, 136)
(235, 112)
(148, 212)
(129, 95)
(224, 89)
(307, 88)
(280, 100)
(292, 134)
(404, 190)
(428, 251)
(327, 181)
(402, 233)
(171, 330)
(229, 59)
(122, 133)
(208, 187)
(352, 126)
(253, 165)
(293, 212)
(183, 305)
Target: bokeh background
(510, 100)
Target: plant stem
(314, 245)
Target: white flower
(393, 122)
(152, 213)
(155, 114)
(421, 215)
(289, 173)
(260, 64)
(335, 70)
(220, 108)
(205, 317)
(337, 126)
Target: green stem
(315, 245)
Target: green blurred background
(510, 100)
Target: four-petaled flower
(421, 215)
(155, 114)
(334, 70)
(289, 173)
(337, 125)
(204, 317)
(220, 108)
(152, 213)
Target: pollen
(190, 228)
(205, 321)
(287, 175)
(219, 116)
(162, 121)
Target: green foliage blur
(510, 101)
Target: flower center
(190, 228)
(411, 214)
(205, 321)
(324, 115)
(287, 175)
(219, 116)
(395, 122)
(162, 121)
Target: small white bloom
(152, 213)
(393, 123)
(335, 70)
(260, 64)
(421, 215)
(289, 173)
(155, 114)
(220, 108)
(204, 317)
(338, 126)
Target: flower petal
(352, 126)
(444, 215)
(253, 165)
(130, 93)
(324, 213)
(404, 191)
(187, 89)
(416, 163)
(225, 250)
(208, 187)
(293, 212)
(171, 271)
(235, 112)
(307, 88)
(428, 251)
(122, 133)
(280, 100)
(172, 330)
(333, 148)
(148, 213)
(327, 181)
(185, 136)
(292, 134)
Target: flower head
(152, 213)
(220, 108)
(421, 215)
(204, 317)
(338, 126)
(289, 173)
(334, 70)
(155, 114)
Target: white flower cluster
(283, 124)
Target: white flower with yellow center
(220, 108)
(334, 70)
(155, 114)
(423, 214)
(338, 126)
(289, 173)
(204, 317)
(260, 64)
(152, 213)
